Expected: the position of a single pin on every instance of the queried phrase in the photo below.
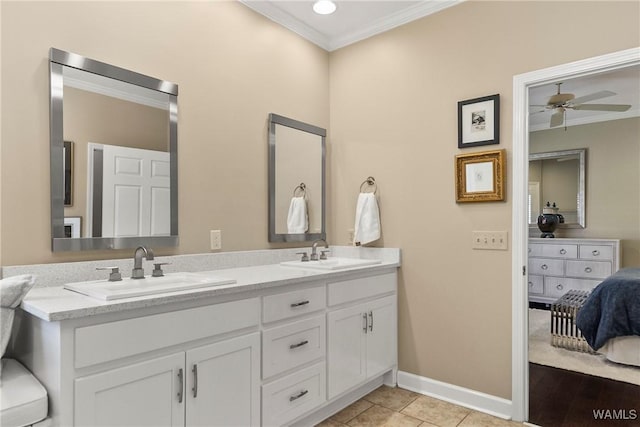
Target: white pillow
(12, 291)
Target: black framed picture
(479, 121)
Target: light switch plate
(490, 240)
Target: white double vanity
(282, 345)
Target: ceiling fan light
(324, 7)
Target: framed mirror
(296, 180)
(123, 127)
(558, 177)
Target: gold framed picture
(480, 177)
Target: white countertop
(54, 303)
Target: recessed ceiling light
(324, 7)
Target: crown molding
(402, 17)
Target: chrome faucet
(314, 254)
(141, 252)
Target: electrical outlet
(490, 240)
(216, 239)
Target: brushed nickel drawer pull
(563, 251)
(544, 266)
(559, 286)
(364, 326)
(298, 396)
(370, 321)
(595, 252)
(181, 384)
(300, 344)
(195, 380)
(588, 270)
(299, 304)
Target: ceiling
(353, 20)
(356, 20)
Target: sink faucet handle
(115, 275)
(323, 254)
(305, 257)
(157, 269)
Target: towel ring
(303, 190)
(370, 181)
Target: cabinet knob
(531, 284)
(544, 266)
(559, 286)
(563, 251)
(595, 252)
(588, 270)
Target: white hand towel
(367, 227)
(297, 220)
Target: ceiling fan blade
(557, 118)
(602, 107)
(537, 111)
(591, 97)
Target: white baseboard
(468, 398)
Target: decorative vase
(549, 220)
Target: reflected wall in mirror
(558, 177)
(296, 180)
(124, 131)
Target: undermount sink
(332, 263)
(127, 288)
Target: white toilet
(23, 400)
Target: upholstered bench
(23, 400)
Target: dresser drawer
(596, 252)
(566, 251)
(545, 266)
(289, 397)
(536, 284)
(289, 346)
(294, 303)
(589, 269)
(555, 287)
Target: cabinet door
(346, 348)
(381, 335)
(223, 383)
(143, 394)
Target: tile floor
(396, 407)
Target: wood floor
(560, 398)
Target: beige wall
(612, 180)
(393, 116)
(233, 68)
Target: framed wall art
(479, 121)
(480, 177)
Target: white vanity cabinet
(559, 265)
(362, 335)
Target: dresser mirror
(114, 145)
(558, 177)
(296, 180)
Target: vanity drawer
(289, 346)
(545, 266)
(110, 341)
(289, 397)
(555, 287)
(294, 303)
(566, 251)
(365, 287)
(596, 252)
(536, 284)
(589, 269)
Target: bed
(610, 318)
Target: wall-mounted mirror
(119, 189)
(296, 180)
(558, 177)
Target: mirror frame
(274, 120)
(582, 164)
(57, 60)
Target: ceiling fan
(561, 102)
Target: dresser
(558, 265)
